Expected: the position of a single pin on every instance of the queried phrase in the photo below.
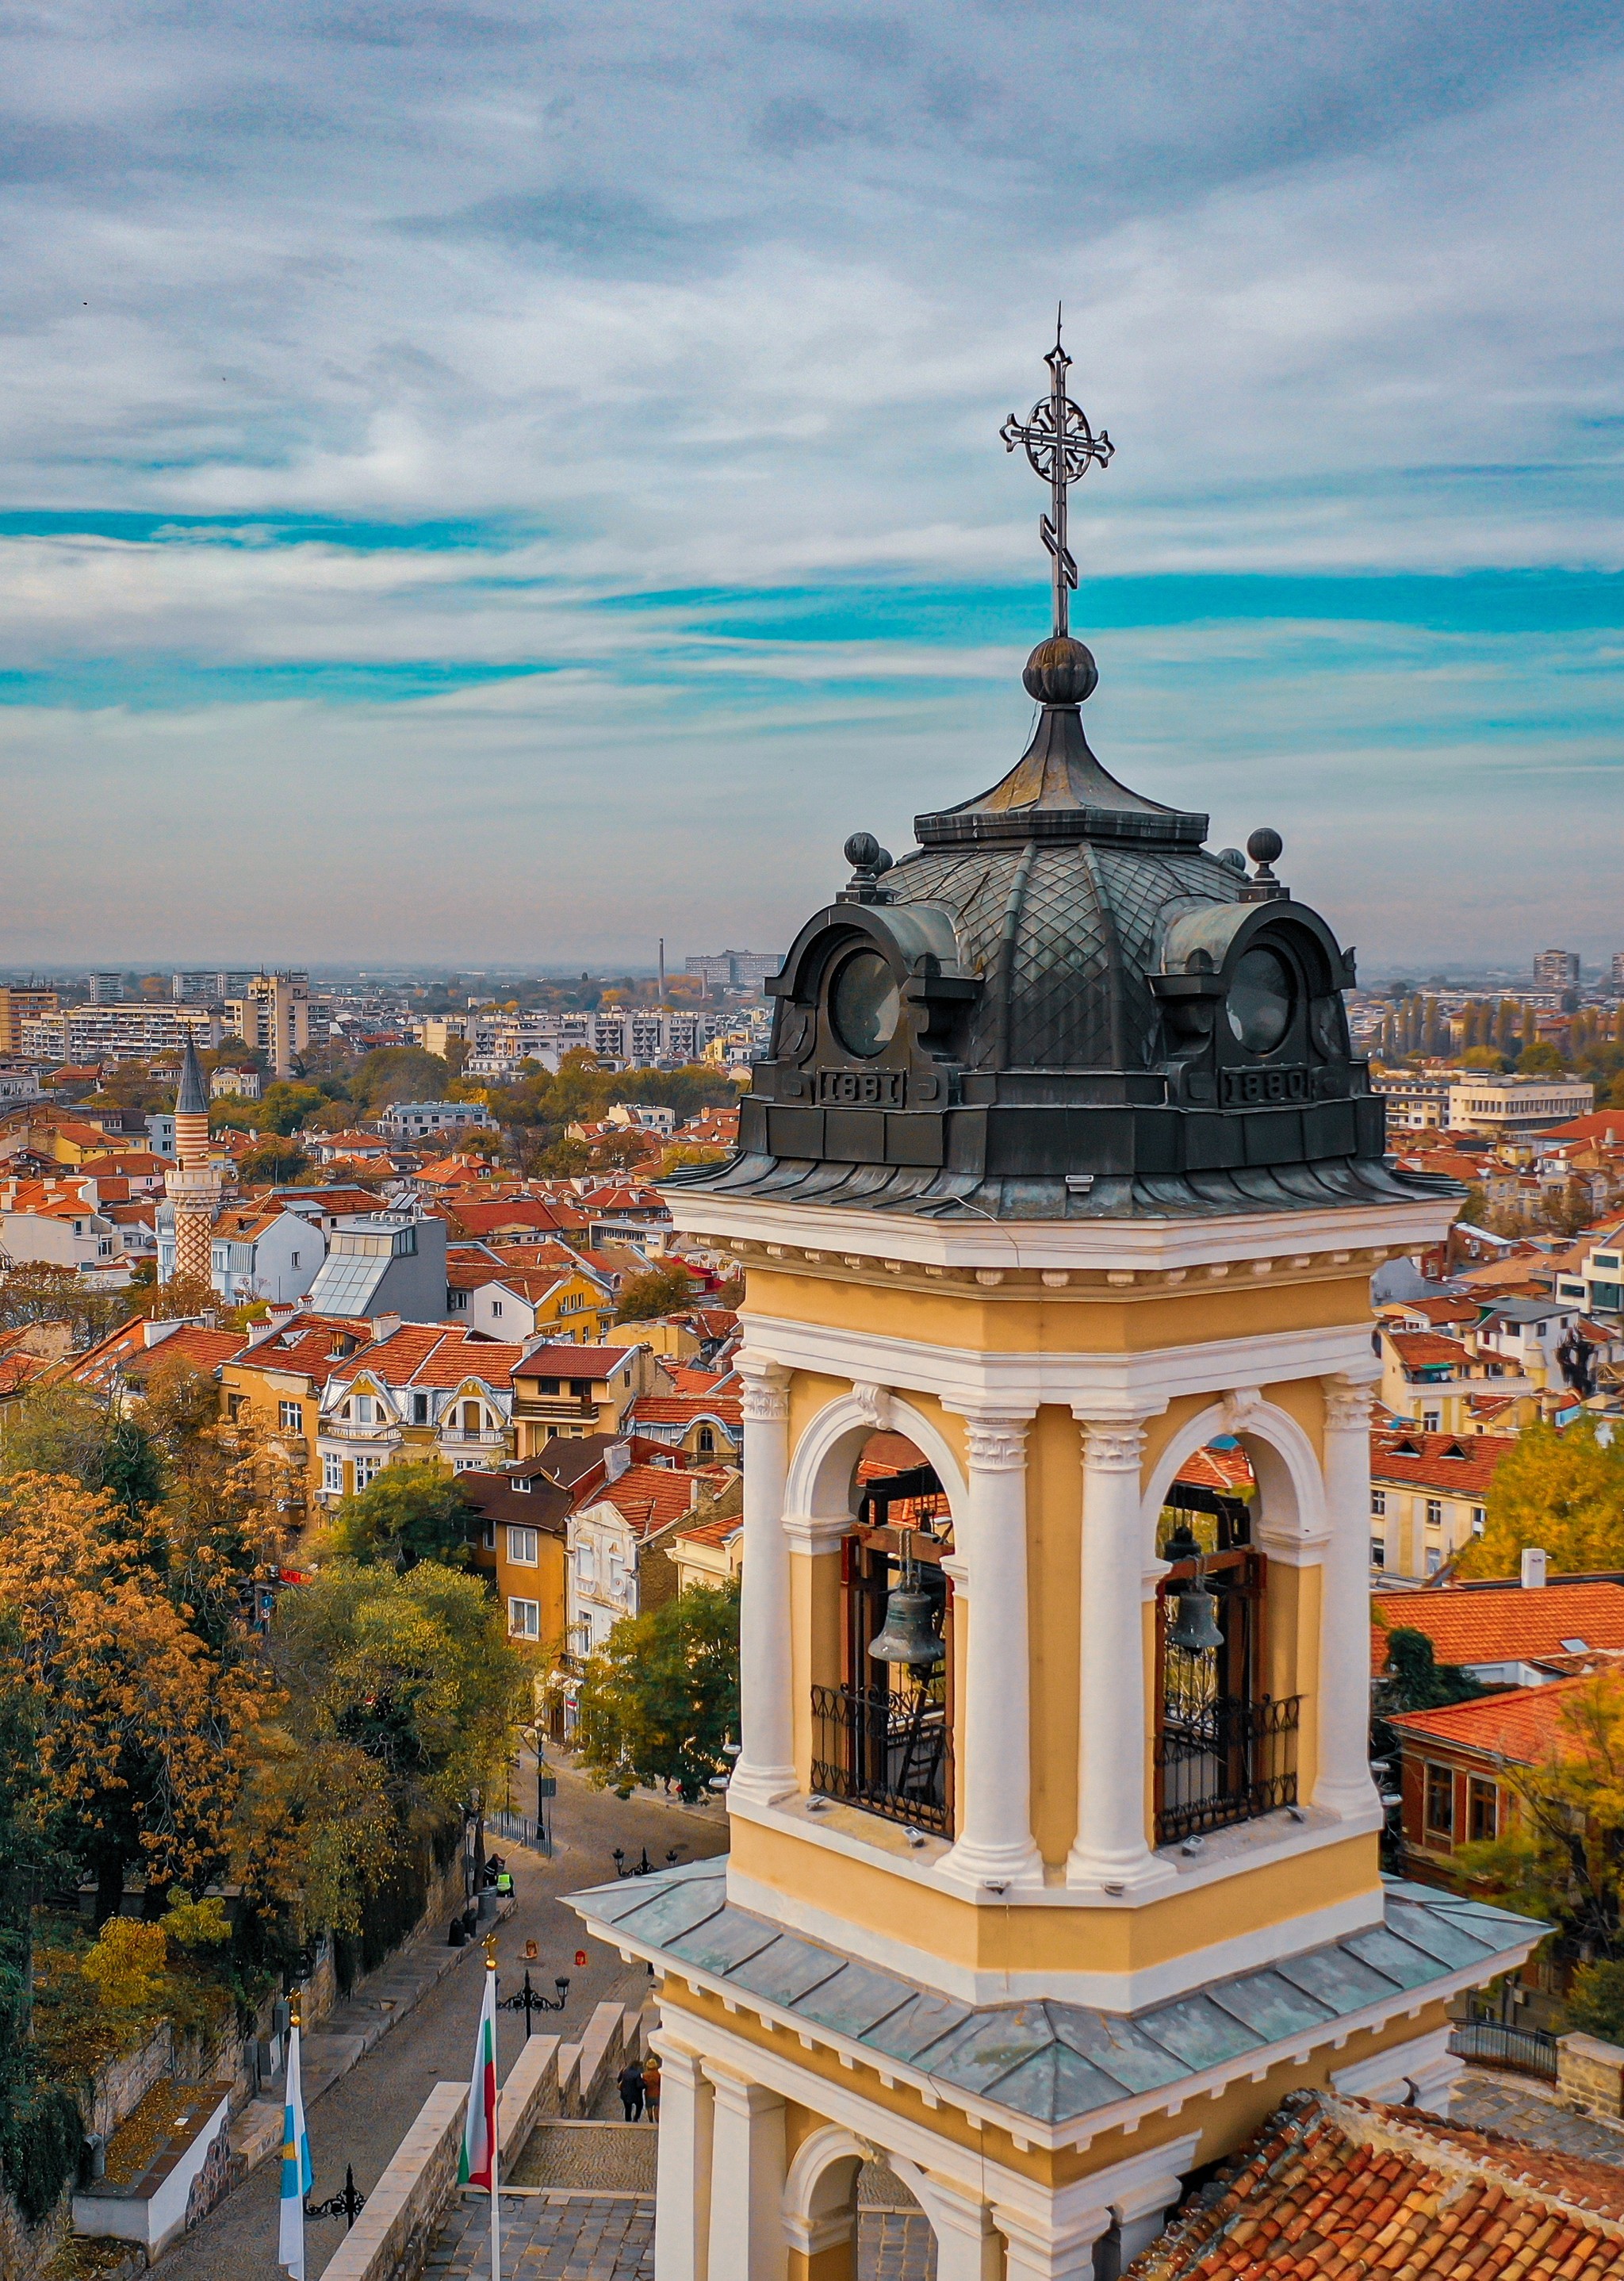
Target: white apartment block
(1501, 1108)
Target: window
(363, 1410)
(1432, 1420)
(456, 1302)
(1480, 1519)
(420, 1409)
(1440, 1818)
(705, 1443)
(332, 1475)
(546, 1385)
(1434, 1513)
(293, 1259)
(1377, 1553)
(587, 1565)
(367, 1471)
(1377, 1502)
(524, 1619)
(290, 1417)
(1435, 1559)
(496, 1306)
(522, 1547)
(1482, 1809)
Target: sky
(502, 483)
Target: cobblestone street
(1492, 2101)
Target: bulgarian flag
(477, 2166)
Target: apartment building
(277, 1380)
(1429, 1497)
(1592, 1276)
(274, 1013)
(1502, 1108)
(139, 1032)
(570, 1392)
(21, 1002)
(411, 1122)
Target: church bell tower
(1054, 1842)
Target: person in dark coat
(630, 2085)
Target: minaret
(1054, 1852)
(193, 1187)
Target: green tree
(1482, 1058)
(661, 1698)
(397, 1073)
(1540, 1059)
(63, 1429)
(409, 1513)
(275, 1159)
(1561, 1490)
(34, 1291)
(662, 1291)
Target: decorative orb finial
(1263, 846)
(1060, 672)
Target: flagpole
(495, 2123)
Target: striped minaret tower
(193, 1187)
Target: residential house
(1437, 1380)
(56, 1223)
(257, 1252)
(142, 1170)
(423, 1391)
(119, 1365)
(389, 1263)
(236, 1082)
(520, 1527)
(1505, 1635)
(619, 1562)
(1592, 1274)
(512, 1219)
(711, 1550)
(1459, 1765)
(570, 1391)
(565, 1305)
(1428, 1495)
(276, 1382)
(705, 1427)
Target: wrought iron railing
(1222, 1761)
(890, 1754)
(1528, 2050)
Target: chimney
(616, 1457)
(1534, 1566)
(384, 1326)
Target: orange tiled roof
(596, 1362)
(202, 1350)
(308, 1345)
(650, 1497)
(1426, 1349)
(713, 1532)
(1501, 1623)
(1462, 1463)
(1228, 1470)
(1335, 2186)
(17, 1369)
(1523, 1725)
(683, 1409)
(431, 1354)
(484, 1219)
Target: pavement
(366, 2113)
(1490, 2098)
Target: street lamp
(347, 2204)
(531, 1999)
(644, 1868)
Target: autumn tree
(662, 1291)
(64, 1429)
(409, 1513)
(660, 1698)
(143, 1731)
(36, 1291)
(1562, 1491)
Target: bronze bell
(1195, 1627)
(906, 1636)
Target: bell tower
(1055, 1845)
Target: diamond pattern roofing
(1054, 2061)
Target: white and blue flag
(297, 2176)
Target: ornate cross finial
(1061, 447)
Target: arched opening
(1225, 1739)
(883, 1723)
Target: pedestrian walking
(630, 2085)
(650, 2086)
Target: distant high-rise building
(1555, 970)
(1618, 969)
(196, 989)
(273, 1013)
(20, 1002)
(734, 969)
(107, 989)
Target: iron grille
(1529, 2049)
(1224, 1760)
(890, 1754)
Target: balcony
(344, 1429)
(465, 1437)
(889, 1754)
(1222, 1761)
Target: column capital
(734, 2092)
(765, 1388)
(810, 1535)
(995, 1441)
(1113, 1445)
(1347, 1405)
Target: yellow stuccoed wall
(1224, 2123)
(1029, 1937)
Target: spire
(193, 1098)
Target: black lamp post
(644, 1868)
(347, 2204)
(531, 1999)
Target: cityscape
(811, 1146)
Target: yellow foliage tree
(126, 1963)
(1562, 1491)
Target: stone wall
(1590, 2074)
(389, 2239)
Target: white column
(765, 1767)
(747, 2241)
(1142, 2214)
(682, 2204)
(1343, 1783)
(994, 1844)
(1109, 1848)
(1035, 2251)
(967, 2245)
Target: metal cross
(1061, 447)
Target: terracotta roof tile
(650, 1497)
(1229, 1471)
(685, 1408)
(596, 1362)
(1425, 1349)
(430, 1354)
(1335, 2186)
(1501, 1623)
(1464, 1464)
